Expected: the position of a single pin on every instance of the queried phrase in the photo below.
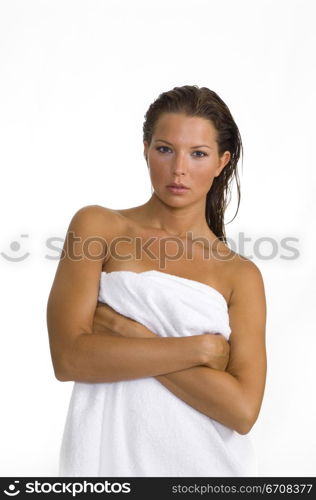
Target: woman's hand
(108, 321)
(217, 351)
(103, 320)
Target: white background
(76, 78)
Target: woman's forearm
(217, 394)
(95, 357)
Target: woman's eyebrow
(193, 147)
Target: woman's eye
(165, 147)
(204, 154)
(161, 147)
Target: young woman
(159, 324)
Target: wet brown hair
(205, 103)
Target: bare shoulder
(102, 221)
(247, 280)
(96, 212)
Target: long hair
(205, 103)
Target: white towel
(138, 428)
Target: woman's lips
(177, 189)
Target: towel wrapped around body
(138, 428)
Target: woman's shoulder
(96, 210)
(244, 264)
(245, 274)
(100, 220)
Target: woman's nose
(179, 166)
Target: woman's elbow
(61, 377)
(246, 423)
(244, 429)
(61, 374)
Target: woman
(159, 324)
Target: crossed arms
(228, 384)
(225, 381)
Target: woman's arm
(96, 357)
(77, 353)
(234, 397)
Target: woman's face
(183, 150)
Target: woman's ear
(224, 159)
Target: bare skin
(93, 343)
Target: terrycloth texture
(138, 428)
